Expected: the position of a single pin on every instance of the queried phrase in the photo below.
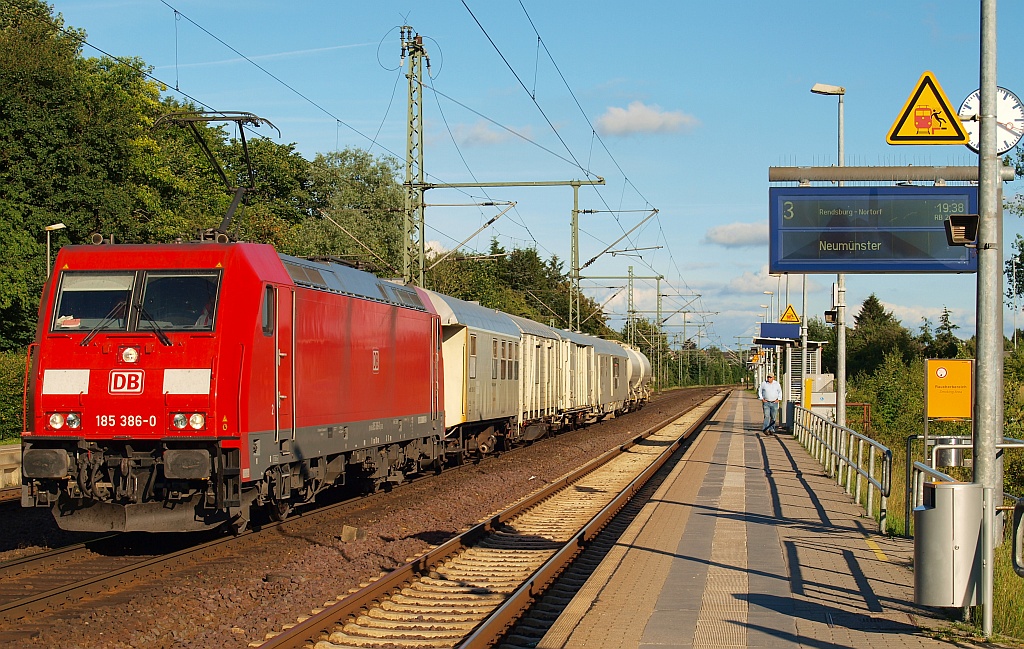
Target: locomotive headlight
(73, 420)
(197, 421)
(130, 354)
(56, 420)
(179, 420)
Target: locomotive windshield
(93, 301)
(142, 301)
(179, 300)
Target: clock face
(1009, 120)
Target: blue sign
(780, 330)
(867, 229)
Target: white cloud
(738, 235)
(754, 283)
(482, 133)
(910, 316)
(434, 248)
(641, 118)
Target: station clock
(1009, 120)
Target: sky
(680, 106)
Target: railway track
(10, 495)
(47, 580)
(470, 590)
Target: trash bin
(947, 544)
(952, 456)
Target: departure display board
(867, 229)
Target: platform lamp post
(839, 91)
(49, 229)
(767, 319)
(770, 302)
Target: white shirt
(770, 391)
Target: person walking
(770, 393)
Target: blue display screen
(867, 229)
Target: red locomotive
(175, 387)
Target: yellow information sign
(927, 118)
(948, 388)
(790, 316)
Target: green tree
(76, 148)
(876, 333)
(945, 344)
(926, 338)
(353, 210)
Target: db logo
(125, 381)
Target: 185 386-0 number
(125, 421)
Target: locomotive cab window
(93, 301)
(268, 311)
(177, 300)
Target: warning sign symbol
(926, 118)
(789, 316)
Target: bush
(12, 376)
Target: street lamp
(49, 229)
(770, 294)
(839, 91)
(766, 307)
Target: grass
(1008, 596)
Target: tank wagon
(177, 387)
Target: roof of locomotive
(455, 311)
(339, 278)
(162, 255)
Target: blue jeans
(771, 415)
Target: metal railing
(919, 473)
(856, 462)
(1017, 535)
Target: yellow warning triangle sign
(926, 118)
(790, 316)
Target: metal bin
(947, 544)
(952, 456)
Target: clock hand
(1008, 126)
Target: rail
(835, 448)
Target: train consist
(177, 387)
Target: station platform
(747, 543)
